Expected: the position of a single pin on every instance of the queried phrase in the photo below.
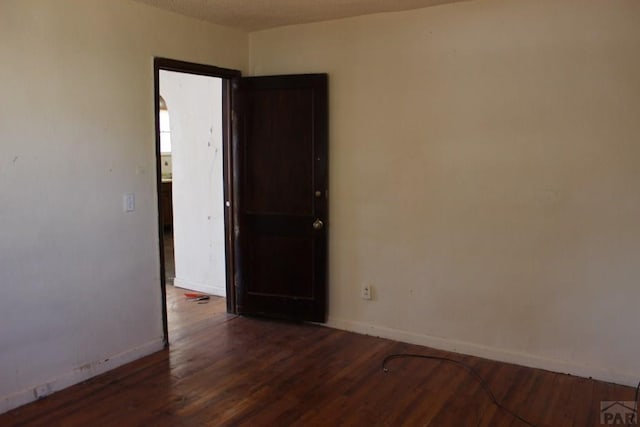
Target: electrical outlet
(366, 292)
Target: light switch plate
(129, 202)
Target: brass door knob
(318, 224)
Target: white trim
(218, 290)
(79, 374)
(493, 353)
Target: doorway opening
(194, 185)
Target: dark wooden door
(280, 163)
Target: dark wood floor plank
(580, 399)
(227, 370)
(507, 388)
(471, 404)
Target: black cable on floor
(472, 372)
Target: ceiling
(252, 15)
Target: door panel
(281, 146)
(271, 277)
(280, 132)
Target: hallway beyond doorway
(181, 312)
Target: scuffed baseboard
(220, 290)
(498, 354)
(77, 375)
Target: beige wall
(484, 176)
(79, 278)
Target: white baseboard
(498, 354)
(218, 290)
(78, 374)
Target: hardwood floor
(223, 370)
(228, 370)
(184, 314)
